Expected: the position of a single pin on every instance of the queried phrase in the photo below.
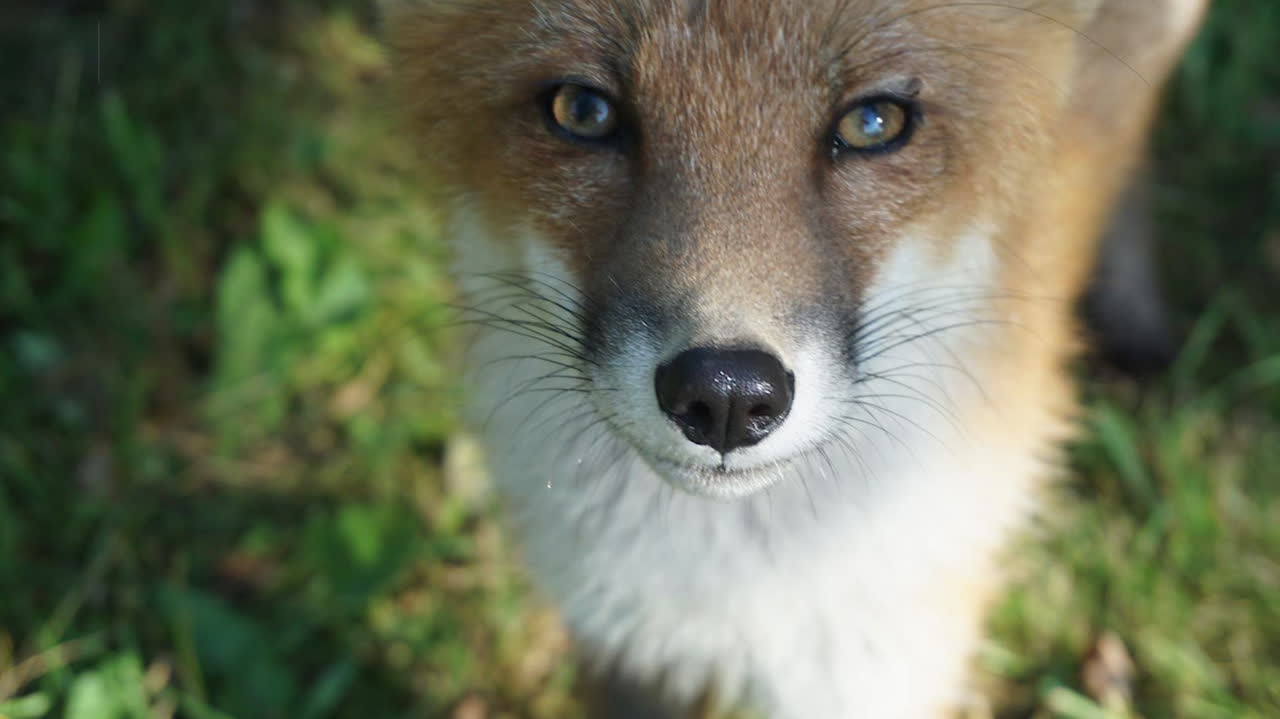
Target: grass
(223, 486)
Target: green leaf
(1119, 440)
(138, 154)
(251, 353)
(91, 698)
(99, 237)
(343, 292)
(1067, 704)
(359, 551)
(246, 317)
(292, 247)
(329, 689)
(31, 706)
(237, 651)
(113, 690)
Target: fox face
(748, 236)
(816, 257)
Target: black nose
(725, 399)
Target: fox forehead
(764, 42)
(732, 181)
(750, 76)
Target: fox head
(739, 236)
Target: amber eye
(582, 113)
(874, 125)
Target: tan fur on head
(918, 298)
(740, 126)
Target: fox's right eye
(582, 113)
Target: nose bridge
(737, 245)
(724, 169)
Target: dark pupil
(589, 110)
(872, 121)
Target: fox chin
(770, 307)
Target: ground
(224, 358)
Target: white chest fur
(851, 588)
(832, 594)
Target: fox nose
(725, 399)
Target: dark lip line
(723, 471)
(720, 469)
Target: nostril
(725, 399)
(700, 417)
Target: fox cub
(771, 304)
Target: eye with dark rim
(875, 125)
(581, 113)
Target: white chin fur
(814, 592)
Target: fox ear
(1125, 52)
(1148, 36)
(1175, 13)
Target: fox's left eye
(582, 113)
(874, 125)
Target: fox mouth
(716, 481)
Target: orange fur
(725, 219)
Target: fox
(770, 309)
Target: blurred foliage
(227, 404)
(220, 314)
